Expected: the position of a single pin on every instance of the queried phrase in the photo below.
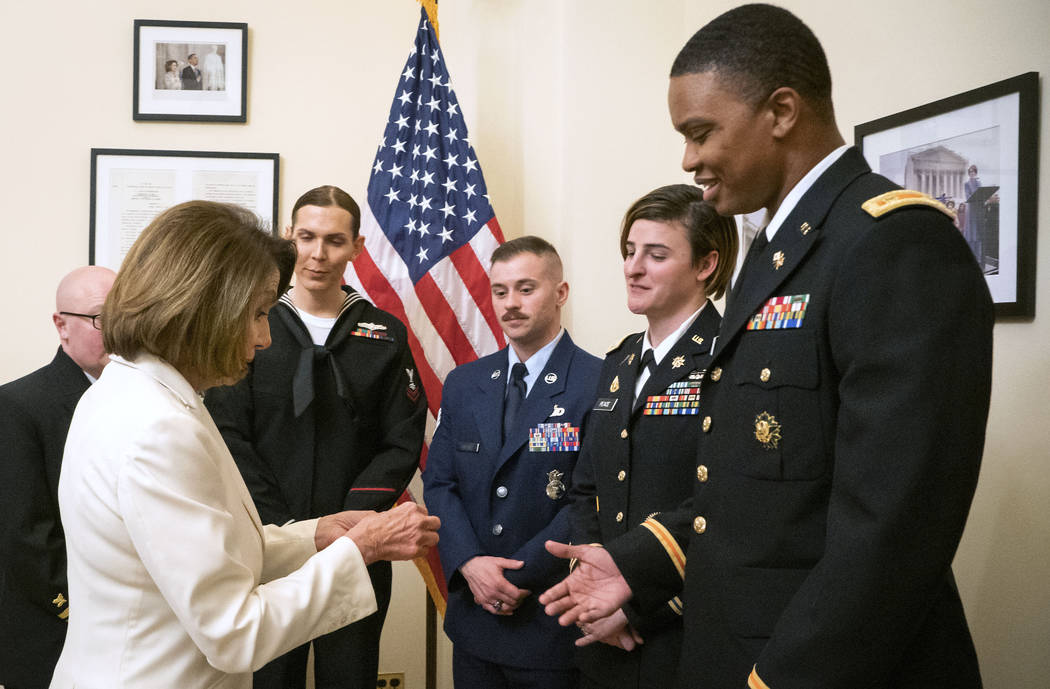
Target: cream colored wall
(566, 106)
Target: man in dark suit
(34, 416)
(845, 407)
(330, 418)
(191, 75)
(498, 473)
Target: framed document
(190, 71)
(130, 187)
(978, 153)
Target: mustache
(512, 315)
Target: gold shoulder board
(892, 200)
(619, 344)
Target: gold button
(619, 516)
(707, 424)
(621, 476)
(699, 525)
(764, 376)
(623, 433)
(701, 473)
(716, 373)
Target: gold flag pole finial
(431, 6)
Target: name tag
(606, 404)
(468, 447)
(554, 437)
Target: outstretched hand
(613, 630)
(403, 533)
(595, 588)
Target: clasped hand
(492, 591)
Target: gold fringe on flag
(431, 6)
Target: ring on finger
(498, 604)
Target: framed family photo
(130, 187)
(190, 71)
(976, 152)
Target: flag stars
(405, 98)
(453, 109)
(391, 195)
(415, 175)
(413, 201)
(415, 151)
(448, 210)
(410, 226)
(433, 103)
(378, 167)
(428, 178)
(431, 128)
(435, 79)
(409, 73)
(422, 255)
(434, 58)
(451, 136)
(470, 165)
(451, 160)
(422, 227)
(470, 216)
(446, 235)
(424, 203)
(399, 146)
(430, 153)
(450, 185)
(395, 171)
(402, 123)
(469, 191)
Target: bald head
(82, 291)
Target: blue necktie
(515, 395)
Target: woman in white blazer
(173, 580)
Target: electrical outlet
(391, 680)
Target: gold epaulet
(619, 344)
(892, 200)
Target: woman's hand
(403, 533)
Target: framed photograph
(978, 153)
(190, 71)
(129, 188)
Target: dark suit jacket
(621, 482)
(191, 80)
(468, 465)
(34, 417)
(843, 457)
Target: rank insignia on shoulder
(892, 200)
(780, 312)
(554, 437)
(767, 430)
(618, 344)
(413, 388)
(59, 600)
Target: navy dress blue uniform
(843, 448)
(493, 499)
(638, 461)
(321, 429)
(35, 411)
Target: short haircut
(705, 229)
(185, 288)
(191, 55)
(972, 168)
(329, 195)
(169, 63)
(530, 244)
(757, 49)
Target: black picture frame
(130, 186)
(220, 91)
(994, 128)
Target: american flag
(428, 225)
(429, 234)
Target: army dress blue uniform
(842, 428)
(507, 499)
(638, 461)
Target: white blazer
(173, 581)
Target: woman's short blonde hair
(184, 289)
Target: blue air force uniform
(507, 499)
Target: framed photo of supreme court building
(130, 187)
(190, 71)
(977, 152)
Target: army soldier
(640, 451)
(844, 412)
